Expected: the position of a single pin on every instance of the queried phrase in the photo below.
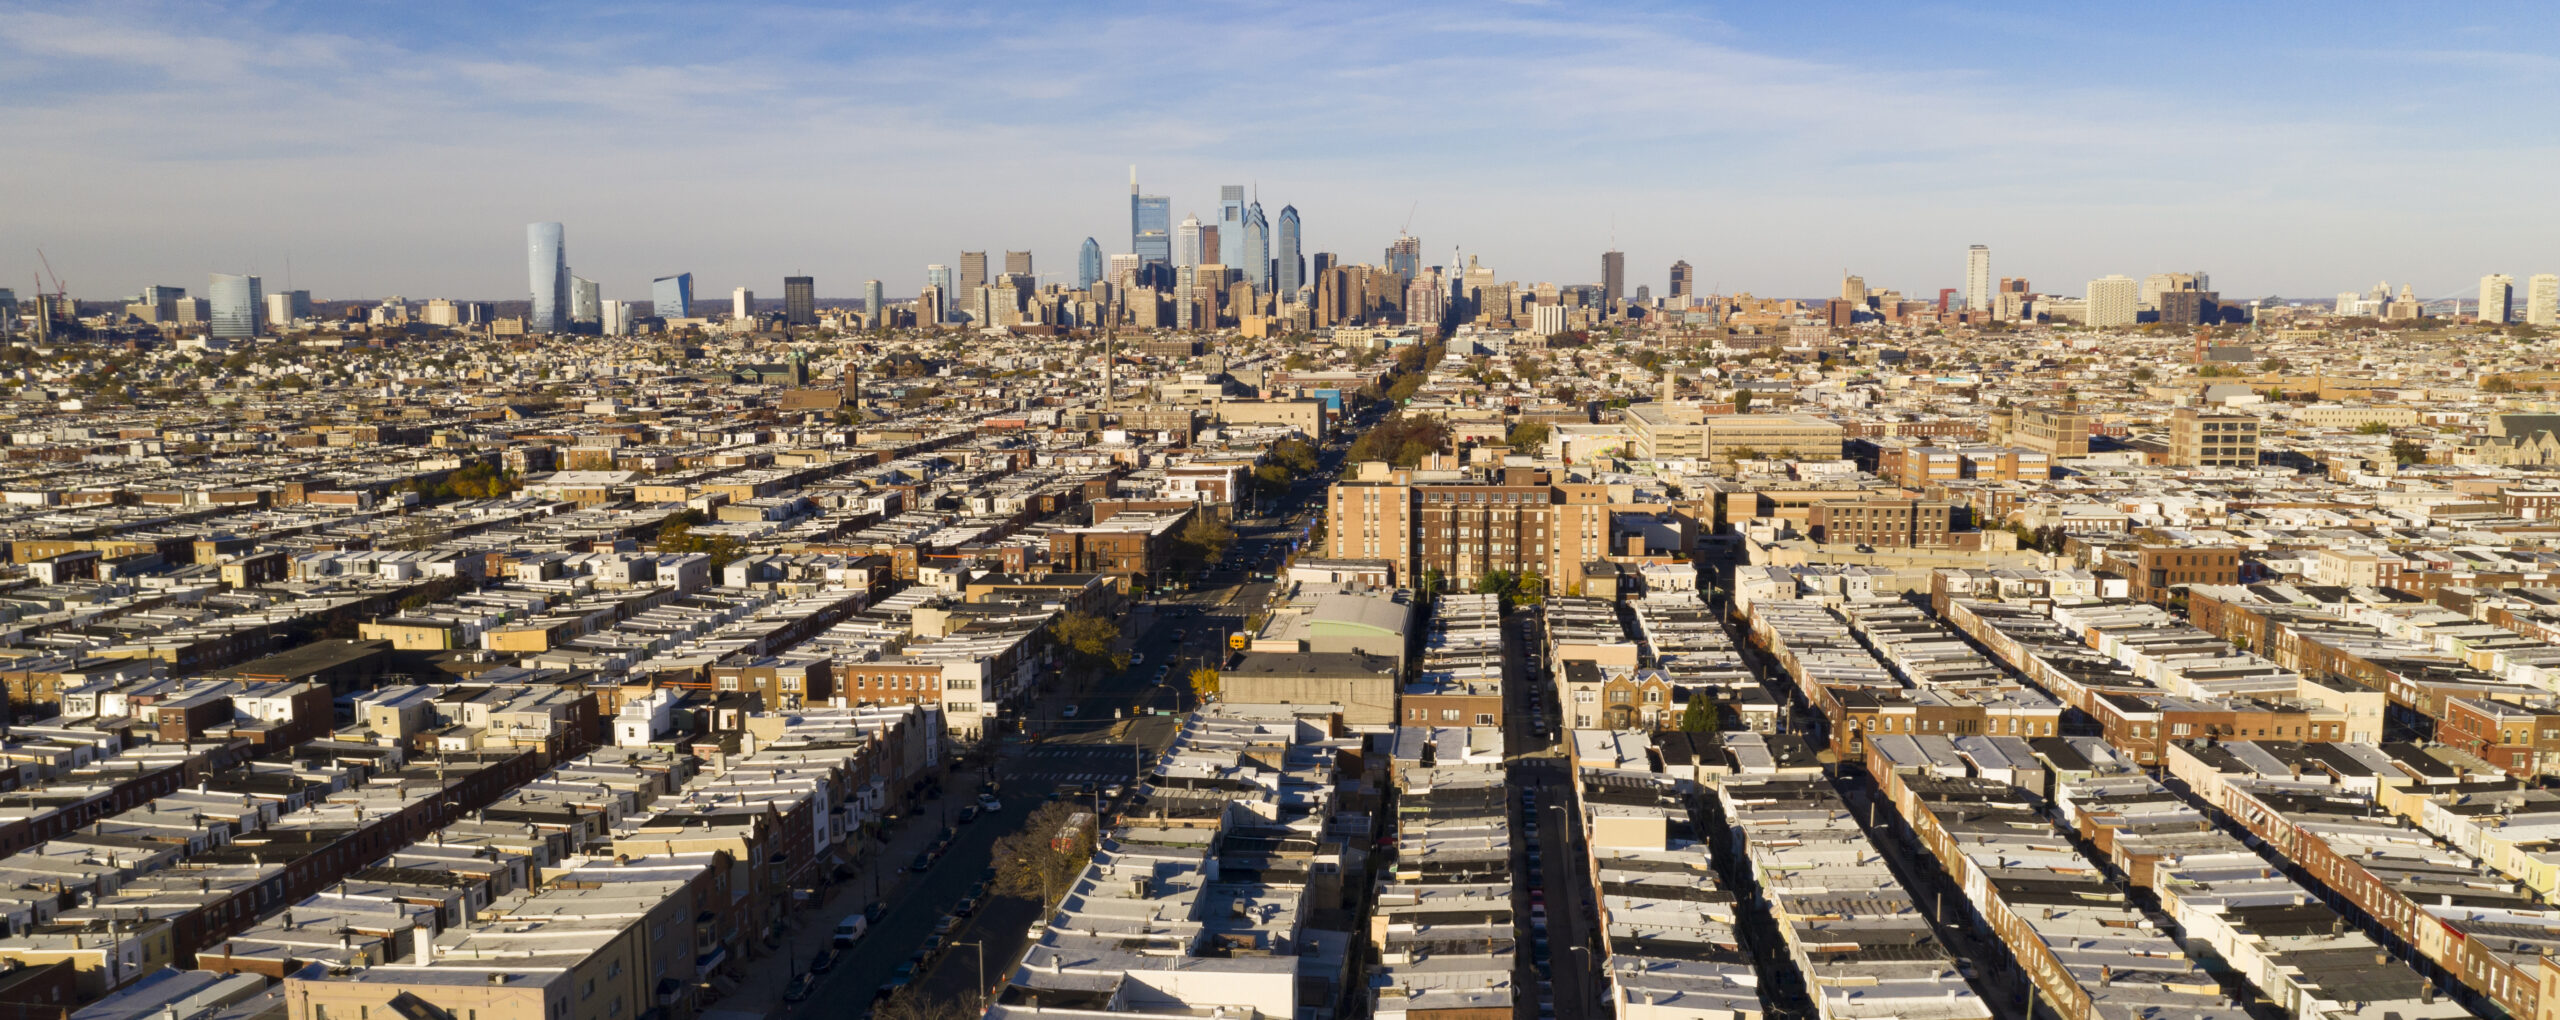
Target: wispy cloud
(746, 141)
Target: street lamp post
(979, 949)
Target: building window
(1448, 715)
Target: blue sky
(400, 147)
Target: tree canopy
(1401, 440)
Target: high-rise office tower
(1088, 264)
(931, 308)
(1017, 263)
(1230, 226)
(547, 259)
(1613, 279)
(1289, 267)
(1123, 270)
(875, 307)
(2497, 297)
(799, 301)
(239, 306)
(617, 318)
(1186, 243)
(672, 296)
(1683, 280)
(1404, 256)
(1977, 279)
(2114, 301)
(938, 275)
(1150, 226)
(2157, 284)
(2542, 300)
(1853, 289)
(1257, 249)
(973, 271)
(742, 304)
(1210, 246)
(586, 302)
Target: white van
(851, 929)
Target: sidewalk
(805, 931)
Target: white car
(1068, 712)
(990, 805)
(1137, 658)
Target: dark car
(923, 862)
(799, 988)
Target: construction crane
(1407, 229)
(58, 289)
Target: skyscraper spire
(1133, 178)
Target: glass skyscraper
(239, 306)
(799, 301)
(547, 259)
(1230, 226)
(1404, 258)
(1292, 269)
(1089, 264)
(673, 296)
(1150, 226)
(1255, 246)
(586, 302)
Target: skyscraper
(1186, 243)
(1150, 226)
(673, 296)
(586, 302)
(874, 306)
(1613, 279)
(1230, 250)
(2542, 300)
(547, 259)
(742, 304)
(1017, 263)
(239, 306)
(1291, 267)
(1257, 249)
(1404, 257)
(1977, 279)
(799, 301)
(1683, 281)
(1088, 264)
(2497, 298)
(973, 271)
(2114, 301)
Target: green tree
(1091, 640)
(1529, 435)
(1702, 715)
(1206, 538)
(1297, 455)
(2373, 428)
(2408, 451)
(1204, 682)
(1741, 401)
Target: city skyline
(171, 126)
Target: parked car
(948, 924)
(852, 929)
(1068, 712)
(990, 805)
(968, 905)
(968, 813)
(933, 946)
(825, 961)
(923, 862)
